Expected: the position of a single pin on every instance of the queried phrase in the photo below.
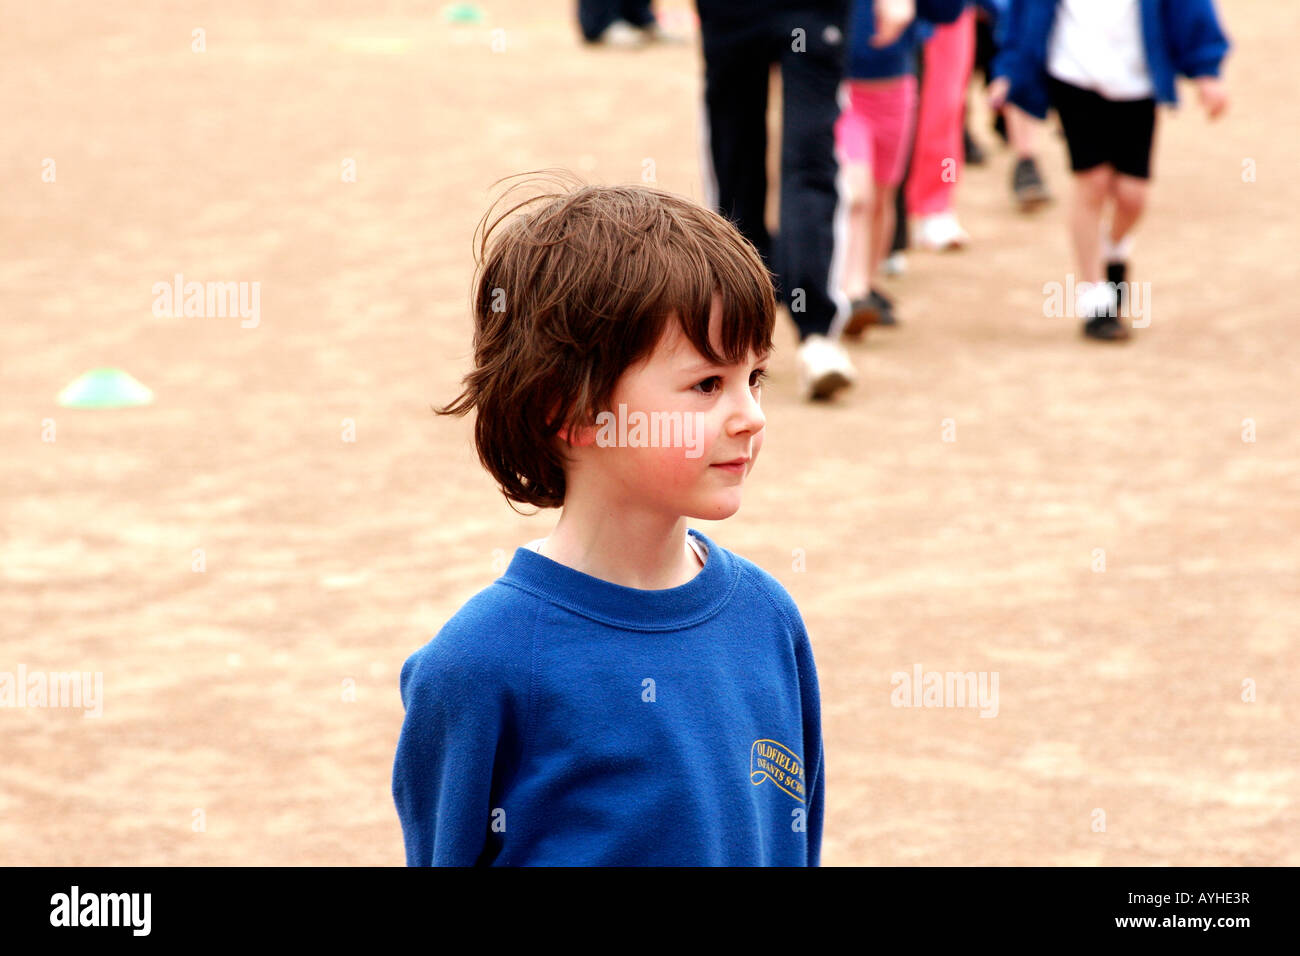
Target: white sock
(1094, 299)
(1116, 251)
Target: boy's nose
(748, 417)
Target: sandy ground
(227, 735)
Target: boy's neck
(645, 554)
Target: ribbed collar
(632, 608)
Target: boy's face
(707, 415)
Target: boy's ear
(581, 436)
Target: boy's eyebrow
(706, 365)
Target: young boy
(1103, 65)
(628, 692)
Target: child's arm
(1197, 43)
(446, 753)
(892, 18)
(1013, 67)
(817, 805)
(1197, 46)
(814, 752)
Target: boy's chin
(719, 508)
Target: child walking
(1104, 65)
(629, 692)
(871, 136)
(938, 152)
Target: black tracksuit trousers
(807, 253)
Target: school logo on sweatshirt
(772, 760)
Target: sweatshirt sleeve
(810, 698)
(1007, 59)
(810, 704)
(1197, 43)
(458, 736)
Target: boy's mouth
(736, 465)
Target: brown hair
(575, 289)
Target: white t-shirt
(699, 547)
(1097, 45)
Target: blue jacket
(561, 719)
(867, 62)
(1180, 36)
(996, 11)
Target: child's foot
(824, 368)
(620, 33)
(941, 232)
(1028, 186)
(895, 265)
(885, 306)
(1096, 305)
(1105, 329)
(864, 310)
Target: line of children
(871, 136)
(1102, 65)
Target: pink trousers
(875, 126)
(939, 152)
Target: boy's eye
(756, 379)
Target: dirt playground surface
(250, 710)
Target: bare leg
(1022, 131)
(858, 268)
(1130, 194)
(882, 228)
(1091, 189)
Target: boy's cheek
(671, 466)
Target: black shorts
(1099, 130)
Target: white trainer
(941, 232)
(824, 367)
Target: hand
(1213, 94)
(997, 93)
(892, 18)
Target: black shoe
(1028, 186)
(1106, 329)
(863, 312)
(974, 152)
(885, 306)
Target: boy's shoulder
(766, 583)
(490, 635)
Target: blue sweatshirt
(866, 62)
(560, 719)
(1179, 36)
